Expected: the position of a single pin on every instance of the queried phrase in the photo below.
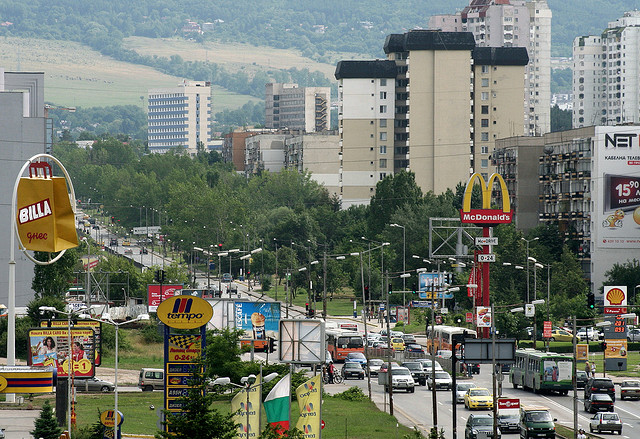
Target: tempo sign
(486, 216)
(185, 312)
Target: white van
(151, 379)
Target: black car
(598, 402)
(417, 372)
(599, 385)
(479, 426)
(581, 379)
(352, 370)
(509, 423)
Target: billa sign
(185, 312)
(45, 219)
(486, 216)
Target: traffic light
(603, 345)
(272, 345)
(162, 276)
(113, 220)
(157, 275)
(414, 288)
(366, 292)
(307, 310)
(219, 247)
(390, 288)
(591, 300)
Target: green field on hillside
(78, 76)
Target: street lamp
(528, 241)
(404, 255)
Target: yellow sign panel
(184, 348)
(107, 418)
(616, 349)
(185, 312)
(582, 352)
(23, 379)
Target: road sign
(508, 403)
(547, 330)
(487, 240)
(529, 310)
(469, 317)
(486, 258)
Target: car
(633, 334)
(630, 389)
(508, 422)
(536, 422)
(383, 367)
(426, 364)
(356, 357)
(474, 367)
(96, 227)
(479, 425)
(597, 402)
(417, 372)
(461, 389)
(605, 422)
(581, 379)
(442, 379)
(589, 334)
(599, 385)
(113, 242)
(397, 343)
(414, 348)
(444, 354)
(144, 251)
(128, 251)
(379, 344)
(478, 398)
(227, 278)
(560, 335)
(93, 385)
(352, 369)
(374, 366)
(409, 338)
(2, 436)
(126, 243)
(401, 379)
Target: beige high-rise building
(498, 74)
(366, 90)
(513, 23)
(290, 107)
(180, 117)
(318, 154)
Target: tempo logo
(182, 306)
(184, 312)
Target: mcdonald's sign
(486, 216)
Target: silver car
(461, 389)
(605, 422)
(93, 385)
(442, 380)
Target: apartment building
(264, 152)
(24, 132)
(606, 74)
(180, 117)
(290, 107)
(318, 154)
(498, 93)
(513, 23)
(367, 93)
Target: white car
(443, 380)
(401, 379)
(591, 334)
(461, 389)
(426, 365)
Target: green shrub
(353, 394)
(151, 334)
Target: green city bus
(542, 371)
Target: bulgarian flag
(277, 404)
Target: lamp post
(404, 256)
(528, 241)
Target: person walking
(587, 369)
(593, 369)
(332, 371)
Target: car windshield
(630, 384)
(444, 375)
(482, 421)
(356, 356)
(352, 366)
(610, 416)
(602, 383)
(401, 371)
(600, 397)
(539, 417)
(465, 386)
(413, 366)
(375, 362)
(479, 392)
(508, 418)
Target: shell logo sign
(185, 312)
(615, 299)
(616, 296)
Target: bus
(542, 371)
(440, 337)
(340, 343)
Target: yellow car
(397, 343)
(560, 335)
(126, 243)
(478, 398)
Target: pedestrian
(587, 369)
(593, 369)
(581, 434)
(332, 371)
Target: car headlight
(474, 431)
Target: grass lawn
(353, 419)
(141, 354)
(76, 75)
(341, 305)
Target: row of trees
(201, 202)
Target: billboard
(616, 173)
(259, 320)
(97, 332)
(158, 293)
(430, 282)
(50, 347)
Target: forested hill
(313, 27)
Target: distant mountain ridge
(317, 29)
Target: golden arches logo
(486, 215)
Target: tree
(392, 192)
(198, 420)
(46, 426)
(560, 119)
(223, 353)
(54, 279)
(627, 273)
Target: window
(383, 163)
(383, 135)
(383, 175)
(484, 136)
(383, 95)
(485, 82)
(485, 109)
(383, 149)
(383, 123)
(484, 96)
(484, 123)
(484, 163)
(383, 82)
(383, 108)
(484, 149)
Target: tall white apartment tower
(180, 117)
(513, 23)
(607, 77)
